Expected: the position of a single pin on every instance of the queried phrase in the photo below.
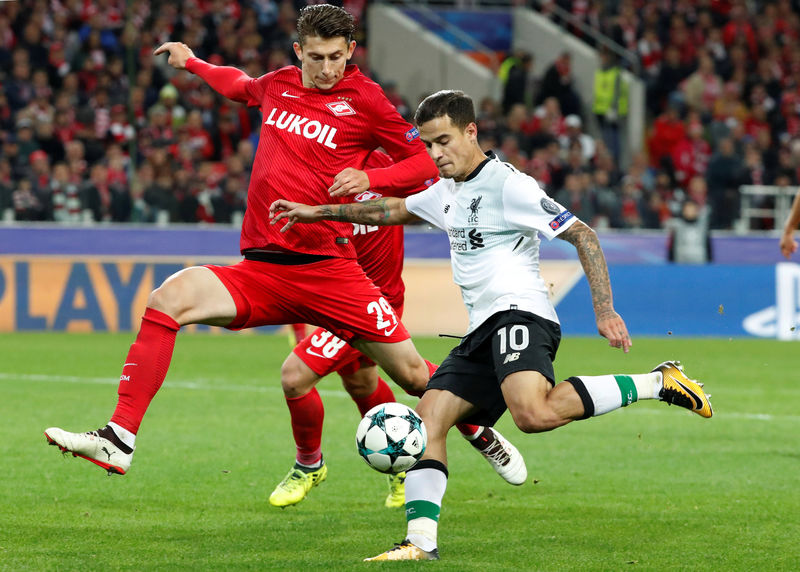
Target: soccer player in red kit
(380, 253)
(319, 124)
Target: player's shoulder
(365, 88)
(290, 73)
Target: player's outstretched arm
(788, 244)
(610, 325)
(225, 80)
(382, 212)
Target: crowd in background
(94, 127)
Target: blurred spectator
(689, 237)
(668, 130)
(119, 129)
(573, 132)
(26, 204)
(610, 105)
(168, 97)
(723, 177)
(108, 203)
(65, 198)
(702, 88)
(517, 84)
(671, 74)
(575, 197)
(690, 155)
(607, 204)
(557, 83)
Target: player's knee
(294, 382)
(415, 376)
(535, 421)
(169, 298)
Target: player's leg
(306, 411)
(400, 360)
(536, 408)
(193, 295)
(427, 480)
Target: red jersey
(380, 248)
(307, 137)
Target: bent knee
(295, 380)
(414, 376)
(537, 422)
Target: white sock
(124, 435)
(425, 487)
(603, 393)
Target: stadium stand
(93, 128)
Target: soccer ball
(391, 438)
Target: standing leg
(427, 480)
(193, 295)
(307, 413)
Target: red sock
(307, 413)
(469, 431)
(145, 368)
(382, 394)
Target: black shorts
(508, 342)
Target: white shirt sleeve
(526, 206)
(427, 205)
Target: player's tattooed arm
(381, 212)
(609, 323)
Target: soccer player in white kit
(493, 215)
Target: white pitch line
(198, 384)
(211, 384)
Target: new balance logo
(475, 239)
(511, 357)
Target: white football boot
(95, 446)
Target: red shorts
(324, 353)
(333, 293)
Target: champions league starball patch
(549, 206)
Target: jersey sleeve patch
(549, 206)
(557, 222)
(412, 134)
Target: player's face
(455, 151)
(323, 60)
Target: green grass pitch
(649, 487)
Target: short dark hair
(455, 104)
(324, 21)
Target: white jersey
(493, 220)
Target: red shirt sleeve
(412, 165)
(231, 82)
(380, 161)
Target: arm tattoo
(369, 212)
(584, 239)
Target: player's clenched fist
(179, 53)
